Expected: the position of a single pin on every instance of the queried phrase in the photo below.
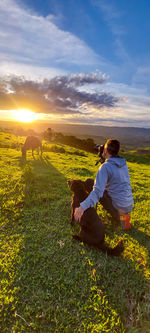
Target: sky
(76, 61)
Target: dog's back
(91, 223)
(92, 229)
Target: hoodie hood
(118, 161)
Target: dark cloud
(77, 80)
(62, 94)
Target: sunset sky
(75, 61)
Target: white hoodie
(113, 176)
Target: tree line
(70, 140)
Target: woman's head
(112, 146)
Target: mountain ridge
(132, 136)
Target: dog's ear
(70, 184)
(89, 183)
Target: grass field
(50, 283)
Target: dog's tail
(116, 251)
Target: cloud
(31, 72)
(109, 120)
(59, 95)
(82, 79)
(26, 37)
(36, 47)
(73, 99)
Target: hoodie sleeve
(98, 188)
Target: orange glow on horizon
(25, 116)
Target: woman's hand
(78, 213)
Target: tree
(48, 134)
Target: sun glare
(25, 115)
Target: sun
(25, 116)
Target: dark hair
(113, 146)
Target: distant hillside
(127, 135)
(130, 136)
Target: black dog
(91, 228)
(88, 187)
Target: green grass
(50, 283)
(141, 155)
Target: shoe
(125, 221)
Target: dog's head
(89, 183)
(76, 186)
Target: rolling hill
(50, 283)
(131, 137)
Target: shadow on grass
(141, 237)
(64, 286)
